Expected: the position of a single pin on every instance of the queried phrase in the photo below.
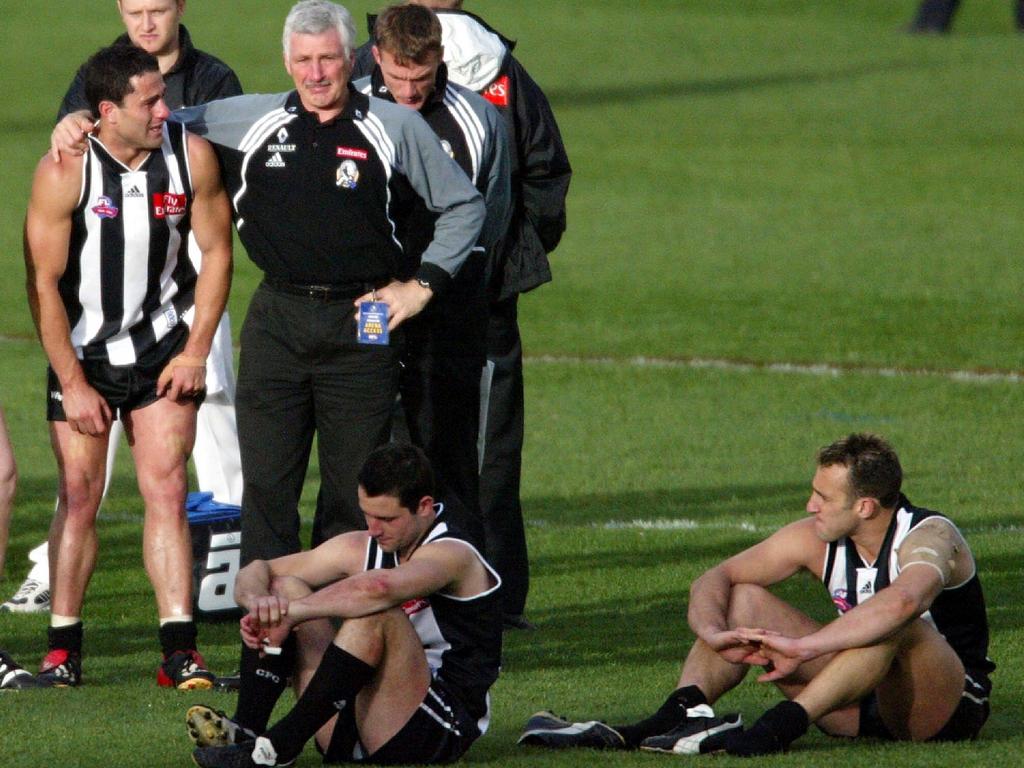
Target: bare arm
(55, 191)
(335, 559)
(211, 226)
(434, 567)
(778, 557)
(931, 557)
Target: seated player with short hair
(407, 674)
(907, 659)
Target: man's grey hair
(314, 17)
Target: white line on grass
(804, 369)
(689, 524)
(680, 524)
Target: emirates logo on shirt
(168, 204)
(497, 92)
(355, 154)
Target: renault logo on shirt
(281, 146)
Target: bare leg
(39, 556)
(918, 677)
(749, 606)
(8, 484)
(712, 675)
(387, 642)
(161, 436)
(73, 543)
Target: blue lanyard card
(373, 323)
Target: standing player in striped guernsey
(406, 677)
(906, 660)
(126, 323)
(445, 345)
(192, 77)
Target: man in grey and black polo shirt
(321, 178)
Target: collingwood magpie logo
(276, 161)
(347, 175)
(134, 192)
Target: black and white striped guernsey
(958, 612)
(461, 636)
(132, 263)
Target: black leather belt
(324, 292)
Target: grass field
(788, 221)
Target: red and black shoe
(60, 669)
(186, 671)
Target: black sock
(773, 732)
(671, 714)
(178, 636)
(262, 681)
(66, 638)
(334, 686)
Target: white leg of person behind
(216, 456)
(33, 596)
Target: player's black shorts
(440, 731)
(963, 725)
(124, 387)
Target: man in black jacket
(445, 345)
(480, 59)
(191, 76)
(937, 16)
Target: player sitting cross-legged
(907, 659)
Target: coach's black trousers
(501, 469)
(302, 371)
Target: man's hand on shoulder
(68, 136)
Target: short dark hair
(410, 33)
(875, 470)
(109, 71)
(400, 470)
